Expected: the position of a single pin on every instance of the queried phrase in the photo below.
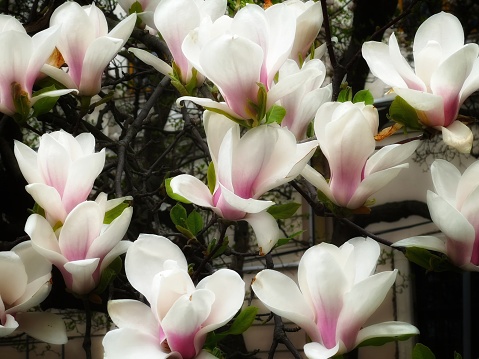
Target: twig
(87, 337)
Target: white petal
(82, 281)
(266, 230)
(47, 327)
(27, 161)
(318, 181)
(128, 313)
(427, 242)
(49, 199)
(128, 343)
(386, 330)
(390, 156)
(315, 350)
(445, 177)
(152, 60)
(192, 189)
(458, 136)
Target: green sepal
(346, 93)
(135, 8)
(172, 194)
(283, 211)
(115, 212)
(108, 275)
(45, 104)
(179, 215)
(402, 112)
(364, 96)
(38, 209)
(457, 355)
(220, 250)
(21, 101)
(421, 351)
(211, 177)
(185, 231)
(430, 260)
(275, 114)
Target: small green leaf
(115, 212)
(135, 8)
(283, 211)
(346, 93)
(185, 231)
(364, 96)
(38, 209)
(242, 322)
(172, 194)
(457, 355)
(178, 215)
(108, 275)
(383, 340)
(421, 351)
(275, 114)
(401, 112)
(211, 177)
(429, 260)
(222, 249)
(194, 222)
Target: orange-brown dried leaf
(388, 131)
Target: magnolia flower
(147, 6)
(84, 246)
(174, 29)
(309, 18)
(302, 104)
(446, 73)
(337, 293)
(246, 167)
(345, 132)
(24, 284)
(62, 173)
(86, 45)
(238, 54)
(180, 316)
(454, 210)
(21, 64)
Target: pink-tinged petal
(10, 324)
(216, 127)
(100, 52)
(459, 232)
(318, 181)
(227, 302)
(402, 66)
(174, 28)
(97, 19)
(427, 242)
(13, 280)
(27, 161)
(390, 156)
(223, 61)
(60, 76)
(427, 61)
(379, 61)
(360, 303)
(127, 343)
(281, 295)
(152, 60)
(442, 28)
(146, 257)
(167, 287)
(209, 104)
(192, 189)
(128, 313)
(308, 25)
(82, 226)
(184, 319)
(248, 205)
(458, 136)
(365, 256)
(265, 229)
(372, 184)
(315, 350)
(81, 271)
(386, 330)
(44, 240)
(466, 184)
(111, 236)
(46, 327)
(449, 79)
(124, 29)
(429, 107)
(49, 199)
(446, 178)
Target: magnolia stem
(87, 337)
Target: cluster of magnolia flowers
(271, 86)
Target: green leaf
(185, 232)
(275, 114)
(457, 355)
(421, 351)
(346, 93)
(429, 260)
(401, 112)
(283, 211)
(172, 194)
(364, 96)
(115, 212)
(178, 215)
(194, 222)
(211, 177)
(222, 249)
(243, 321)
(109, 274)
(383, 340)
(135, 8)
